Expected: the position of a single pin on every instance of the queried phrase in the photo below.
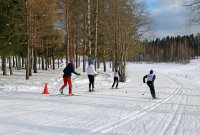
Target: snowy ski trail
(138, 114)
(128, 110)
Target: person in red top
(69, 69)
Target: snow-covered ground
(128, 110)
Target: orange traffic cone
(45, 89)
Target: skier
(150, 82)
(91, 74)
(116, 78)
(69, 69)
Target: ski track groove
(179, 113)
(175, 120)
(180, 108)
(196, 121)
(154, 115)
(173, 123)
(138, 114)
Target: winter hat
(151, 71)
(116, 70)
(92, 62)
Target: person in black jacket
(150, 82)
(69, 69)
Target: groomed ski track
(128, 110)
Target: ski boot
(154, 97)
(61, 91)
(70, 94)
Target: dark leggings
(116, 80)
(151, 86)
(91, 81)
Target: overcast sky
(170, 18)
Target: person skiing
(150, 82)
(69, 69)
(91, 74)
(116, 78)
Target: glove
(79, 74)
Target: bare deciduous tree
(194, 6)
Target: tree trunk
(58, 63)
(39, 62)
(18, 63)
(84, 46)
(4, 65)
(43, 57)
(76, 52)
(28, 49)
(23, 63)
(79, 61)
(53, 58)
(96, 33)
(104, 61)
(13, 61)
(89, 33)
(67, 31)
(30, 62)
(35, 61)
(46, 58)
(10, 66)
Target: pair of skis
(64, 95)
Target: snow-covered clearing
(128, 110)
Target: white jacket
(116, 74)
(91, 70)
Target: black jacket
(69, 70)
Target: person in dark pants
(150, 82)
(69, 69)
(116, 78)
(91, 74)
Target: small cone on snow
(45, 89)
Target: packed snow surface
(128, 110)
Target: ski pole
(75, 78)
(56, 87)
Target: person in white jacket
(91, 73)
(116, 78)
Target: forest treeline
(36, 33)
(180, 49)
